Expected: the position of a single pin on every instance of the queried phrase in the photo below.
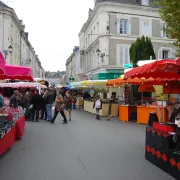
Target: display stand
(159, 151)
(8, 140)
(20, 125)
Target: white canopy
(22, 85)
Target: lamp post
(6, 52)
(100, 54)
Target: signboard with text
(171, 89)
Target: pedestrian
(98, 106)
(49, 98)
(43, 107)
(26, 105)
(68, 104)
(14, 100)
(59, 107)
(36, 102)
(1, 100)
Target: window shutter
(159, 53)
(118, 26)
(129, 27)
(121, 62)
(126, 57)
(161, 30)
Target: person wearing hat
(98, 106)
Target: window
(165, 54)
(123, 26)
(146, 28)
(163, 30)
(123, 57)
(145, 2)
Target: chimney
(90, 11)
(26, 34)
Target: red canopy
(164, 69)
(14, 72)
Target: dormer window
(145, 2)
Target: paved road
(84, 149)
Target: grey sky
(53, 27)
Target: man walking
(36, 102)
(49, 98)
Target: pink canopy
(14, 72)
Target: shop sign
(171, 89)
(146, 88)
(127, 66)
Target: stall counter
(114, 111)
(88, 106)
(125, 112)
(144, 111)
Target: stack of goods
(15, 113)
(5, 126)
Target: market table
(8, 140)
(125, 112)
(159, 151)
(20, 125)
(88, 106)
(144, 111)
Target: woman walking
(68, 104)
(59, 107)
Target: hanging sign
(146, 88)
(171, 89)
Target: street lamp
(98, 52)
(6, 52)
(10, 48)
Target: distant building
(71, 65)
(111, 28)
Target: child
(98, 106)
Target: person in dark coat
(26, 105)
(49, 98)
(43, 107)
(36, 102)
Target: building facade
(112, 26)
(14, 42)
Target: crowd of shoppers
(39, 105)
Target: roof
(133, 2)
(2, 4)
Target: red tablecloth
(8, 140)
(16, 132)
(20, 125)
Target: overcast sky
(53, 27)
